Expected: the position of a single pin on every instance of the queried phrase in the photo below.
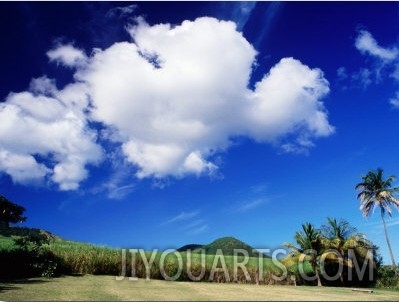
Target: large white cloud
(43, 132)
(178, 94)
(172, 98)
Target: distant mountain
(227, 245)
(191, 247)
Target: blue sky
(156, 124)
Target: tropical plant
(377, 192)
(310, 247)
(340, 236)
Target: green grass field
(83, 258)
(100, 288)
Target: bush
(30, 257)
(386, 277)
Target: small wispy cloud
(382, 64)
(259, 188)
(182, 216)
(366, 44)
(393, 222)
(241, 12)
(395, 100)
(120, 192)
(255, 196)
(250, 205)
(189, 223)
(269, 18)
(363, 77)
(198, 229)
(342, 73)
(194, 224)
(377, 226)
(121, 11)
(119, 184)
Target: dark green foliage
(387, 278)
(30, 257)
(25, 263)
(338, 255)
(25, 232)
(190, 247)
(10, 212)
(367, 279)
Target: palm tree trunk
(341, 278)
(318, 278)
(389, 244)
(317, 274)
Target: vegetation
(386, 278)
(52, 256)
(336, 249)
(73, 258)
(340, 236)
(377, 192)
(10, 212)
(28, 256)
(310, 247)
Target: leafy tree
(377, 192)
(10, 212)
(310, 247)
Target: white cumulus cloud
(46, 134)
(178, 94)
(171, 98)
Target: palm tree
(338, 230)
(377, 192)
(310, 247)
(342, 237)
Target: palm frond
(375, 191)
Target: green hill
(227, 245)
(14, 231)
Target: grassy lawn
(91, 287)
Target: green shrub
(30, 256)
(386, 277)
